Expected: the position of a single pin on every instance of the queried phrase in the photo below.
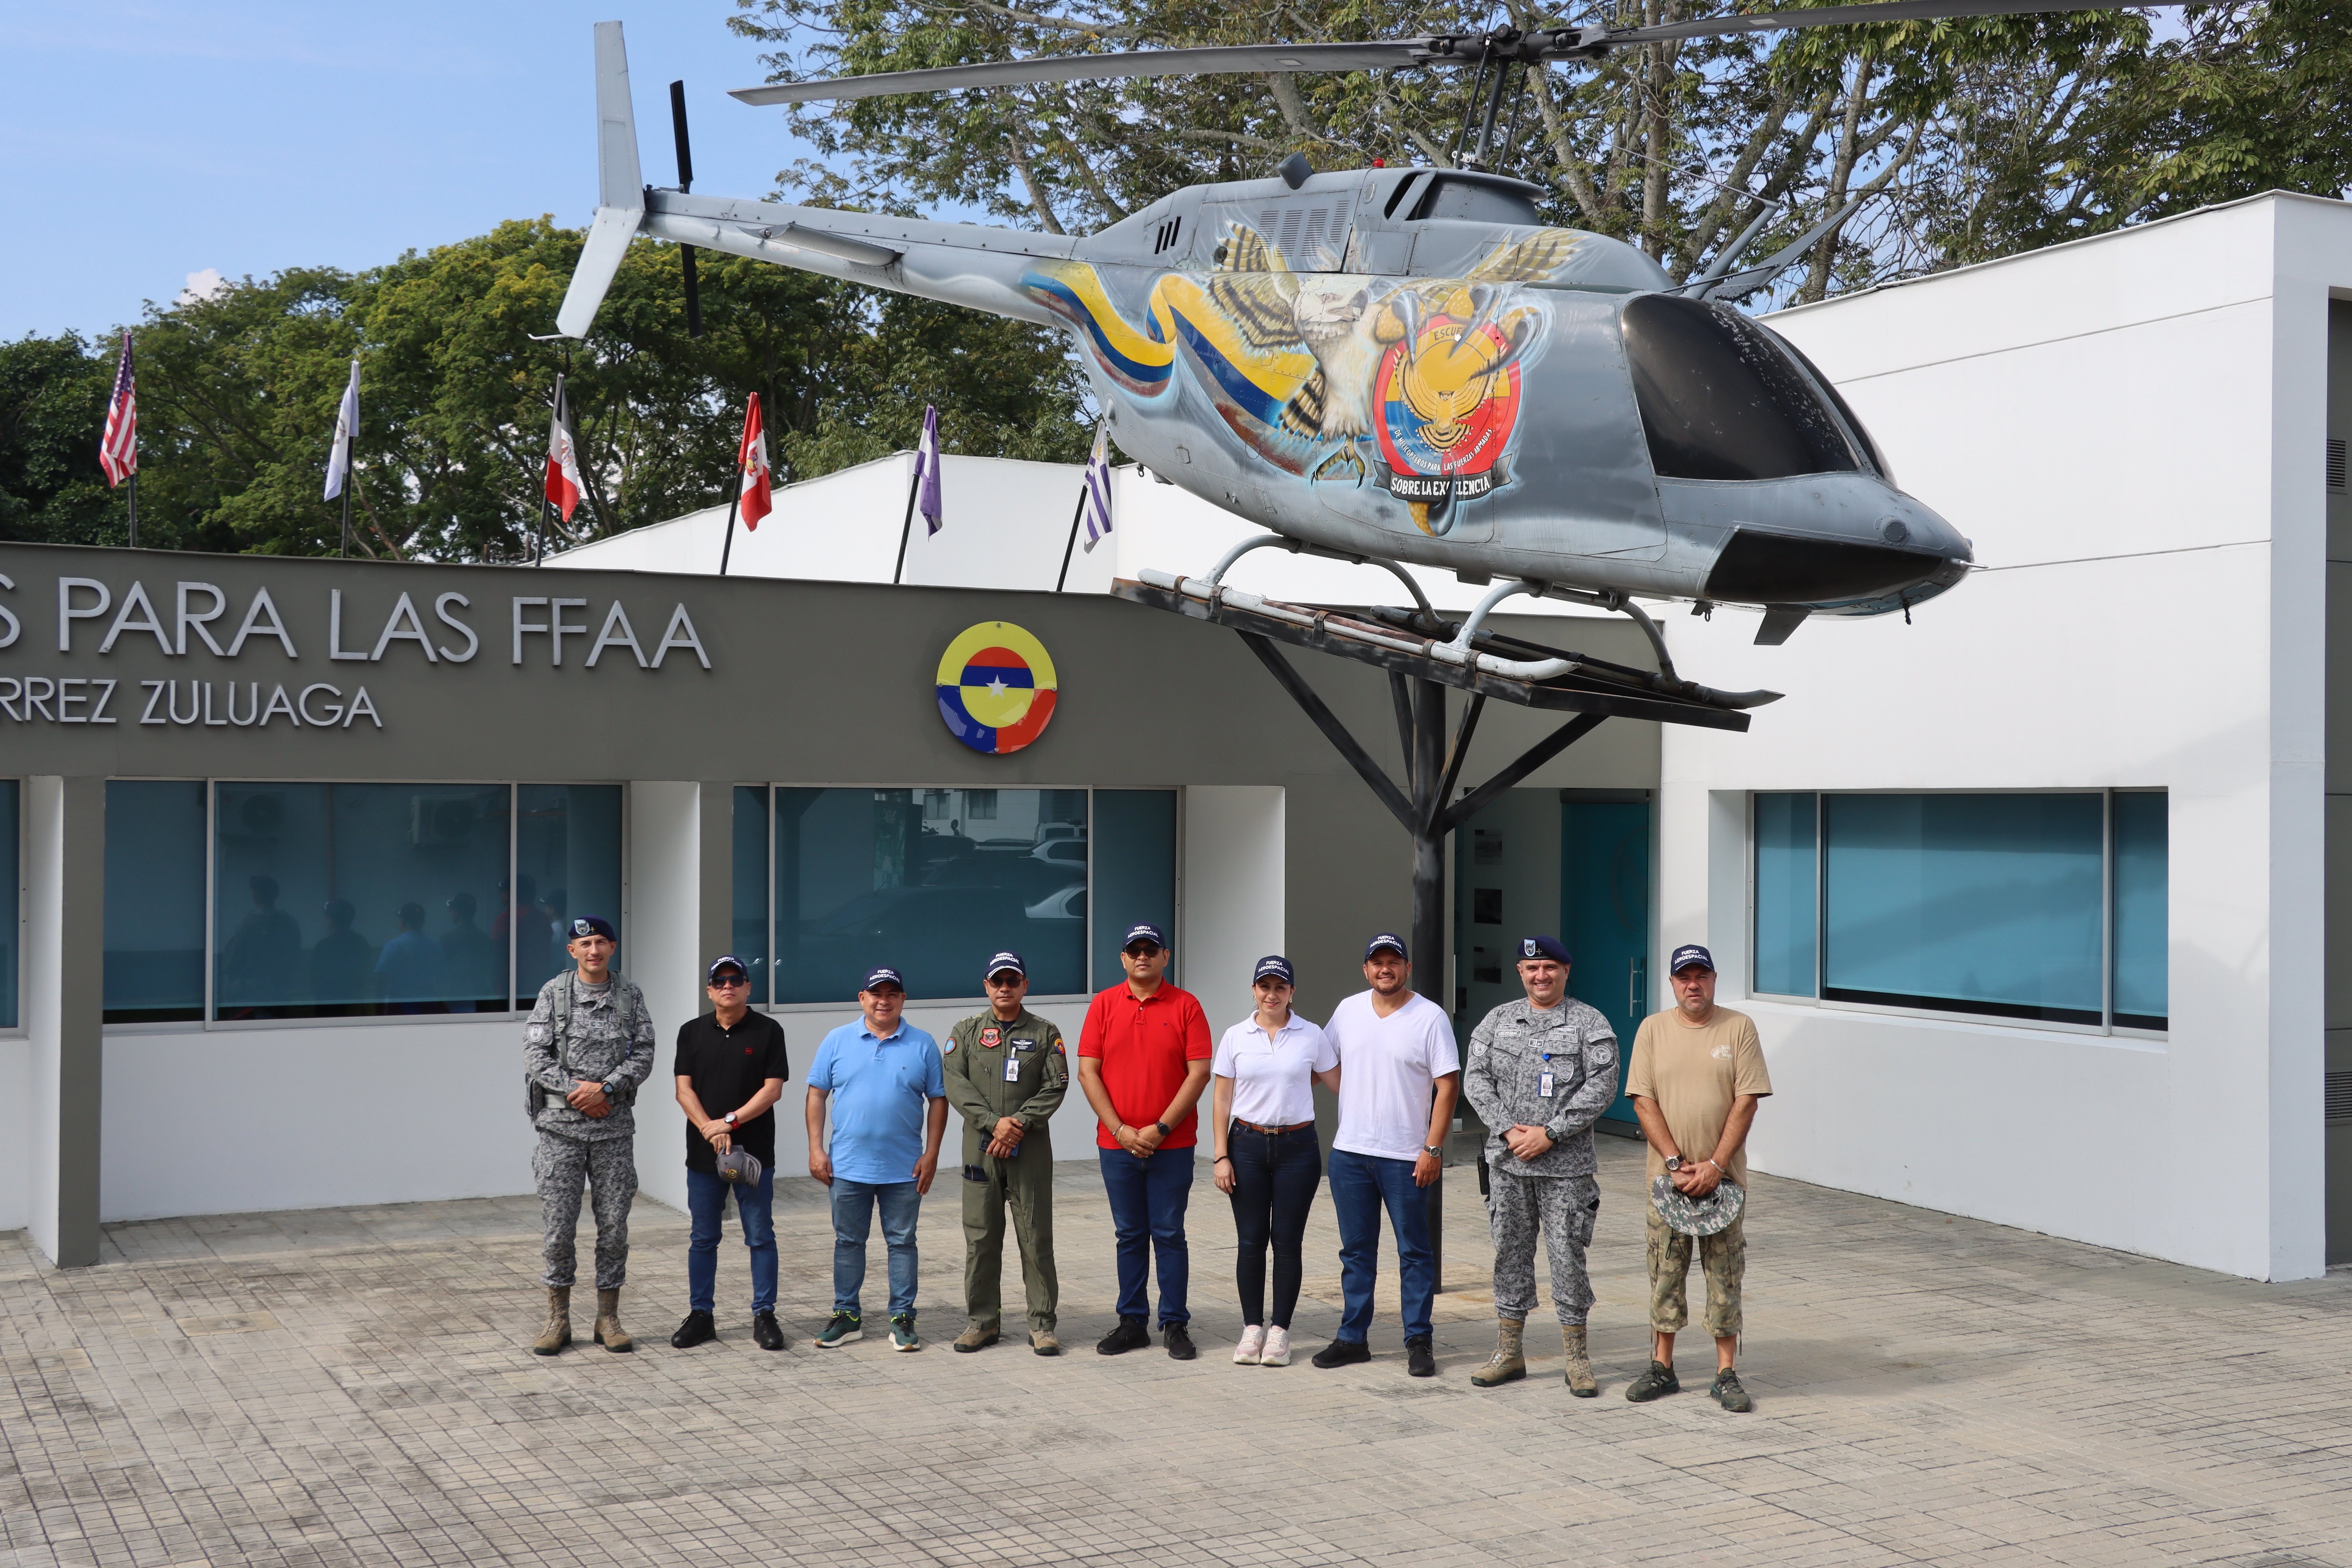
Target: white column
(1234, 893)
(65, 884)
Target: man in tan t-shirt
(1695, 1075)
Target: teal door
(1604, 917)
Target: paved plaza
(352, 1388)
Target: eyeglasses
(729, 982)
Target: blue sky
(144, 142)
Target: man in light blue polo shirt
(889, 1096)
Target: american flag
(118, 450)
(1097, 504)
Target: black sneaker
(697, 1329)
(1341, 1353)
(1179, 1342)
(1726, 1390)
(1130, 1335)
(1654, 1383)
(1419, 1360)
(766, 1332)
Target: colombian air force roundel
(996, 688)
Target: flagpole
(134, 507)
(347, 511)
(906, 528)
(732, 502)
(1073, 544)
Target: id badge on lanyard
(1011, 1066)
(1544, 1079)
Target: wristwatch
(1433, 1149)
(1673, 1162)
(1165, 1131)
(729, 1118)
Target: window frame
(977, 999)
(22, 1028)
(2106, 1029)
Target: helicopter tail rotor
(621, 191)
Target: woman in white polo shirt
(1267, 1160)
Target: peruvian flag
(563, 481)
(752, 462)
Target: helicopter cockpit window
(1720, 400)
(1473, 201)
(1852, 422)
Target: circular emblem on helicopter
(996, 688)
(1449, 400)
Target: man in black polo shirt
(731, 1068)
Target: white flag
(347, 425)
(1097, 501)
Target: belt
(1254, 1127)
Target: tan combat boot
(1506, 1363)
(1045, 1341)
(1580, 1365)
(609, 1333)
(557, 1331)
(976, 1338)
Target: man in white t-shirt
(1399, 1074)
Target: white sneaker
(1278, 1348)
(1247, 1352)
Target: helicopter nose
(1871, 559)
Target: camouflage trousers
(1562, 1209)
(1723, 1258)
(608, 1166)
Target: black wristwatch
(1165, 1131)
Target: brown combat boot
(609, 1333)
(1508, 1363)
(557, 1331)
(1579, 1365)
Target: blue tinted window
(2142, 889)
(154, 899)
(12, 834)
(1980, 903)
(349, 899)
(1135, 871)
(749, 932)
(567, 864)
(919, 879)
(1788, 917)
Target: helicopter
(1398, 364)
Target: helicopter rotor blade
(686, 186)
(1440, 49)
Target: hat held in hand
(740, 1164)
(1697, 1217)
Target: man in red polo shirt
(1143, 1061)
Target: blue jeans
(1361, 1185)
(854, 1203)
(705, 1204)
(1147, 1214)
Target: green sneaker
(1726, 1390)
(845, 1328)
(902, 1332)
(1654, 1383)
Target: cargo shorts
(1723, 1258)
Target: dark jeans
(1274, 1178)
(1148, 1197)
(1361, 1186)
(706, 1206)
(854, 1203)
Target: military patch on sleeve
(539, 1033)
(1057, 1045)
(1603, 1053)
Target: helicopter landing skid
(1418, 645)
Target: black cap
(593, 925)
(882, 973)
(999, 963)
(1690, 955)
(1387, 939)
(1542, 947)
(727, 961)
(1143, 930)
(1274, 967)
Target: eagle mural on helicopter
(1398, 364)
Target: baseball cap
(1143, 930)
(999, 961)
(738, 1165)
(1542, 947)
(882, 973)
(593, 925)
(728, 960)
(1387, 939)
(1277, 966)
(1687, 955)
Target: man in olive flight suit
(1007, 1072)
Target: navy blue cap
(1542, 947)
(1689, 955)
(999, 963)
(1277, 966)
(593, 925)
(880, 973)
(1387, 939)
(1143, 930)
(727, 961)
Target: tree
(53, 394)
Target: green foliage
(237, 396)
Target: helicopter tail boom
(620, 187)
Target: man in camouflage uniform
(1540, 1073)
(1007, 1072)
(588, 1045)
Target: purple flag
(926, 470)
